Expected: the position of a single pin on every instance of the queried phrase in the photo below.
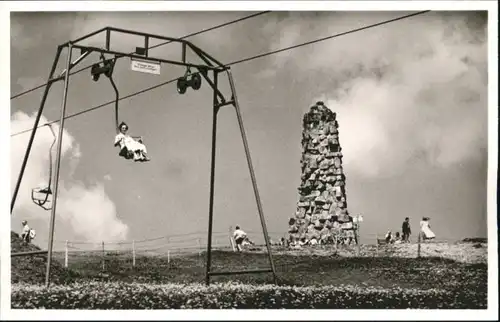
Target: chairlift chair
(42, 196)
(125, 153)
(106, 68)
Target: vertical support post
(212, 180)
(358, 225)
(252, 174)
(133, 253)
(168, 256)
(231, 241)
(35, 126)
(58, 165)
(103, 257)
(108, 38)
(376, 243)
(146, 46)
(117, 98)
(66, 255)
(357, 246)
(419, 244)
(358, 235)
(184, 60)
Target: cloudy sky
(411, 100)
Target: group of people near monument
(347, 236)
(425, 232)
(336, 232)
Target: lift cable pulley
(189, 79)
(106, 67)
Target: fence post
(66, 255)
(231, 238)
(418, 246)
(357, 237)
(133, 253)
(103, 255)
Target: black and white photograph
(286, 156)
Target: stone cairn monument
(322, 206)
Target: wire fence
(179, 241)
(133, 252)
(195, 240)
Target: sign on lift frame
(143, 66)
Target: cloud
(37, 170)
(91, 213)
(413, 92)
(301, 27)
(88, 211)
(20, 39)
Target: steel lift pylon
(210, 70)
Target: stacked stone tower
(322, 205)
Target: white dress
(424, 227)
(126, 141)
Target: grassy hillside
(31, 269)
(392, 267)
(457, 272)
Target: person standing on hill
(425, 229)
(406, 230)
(25, 235)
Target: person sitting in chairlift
(130, 146)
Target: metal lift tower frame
(210, 70)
